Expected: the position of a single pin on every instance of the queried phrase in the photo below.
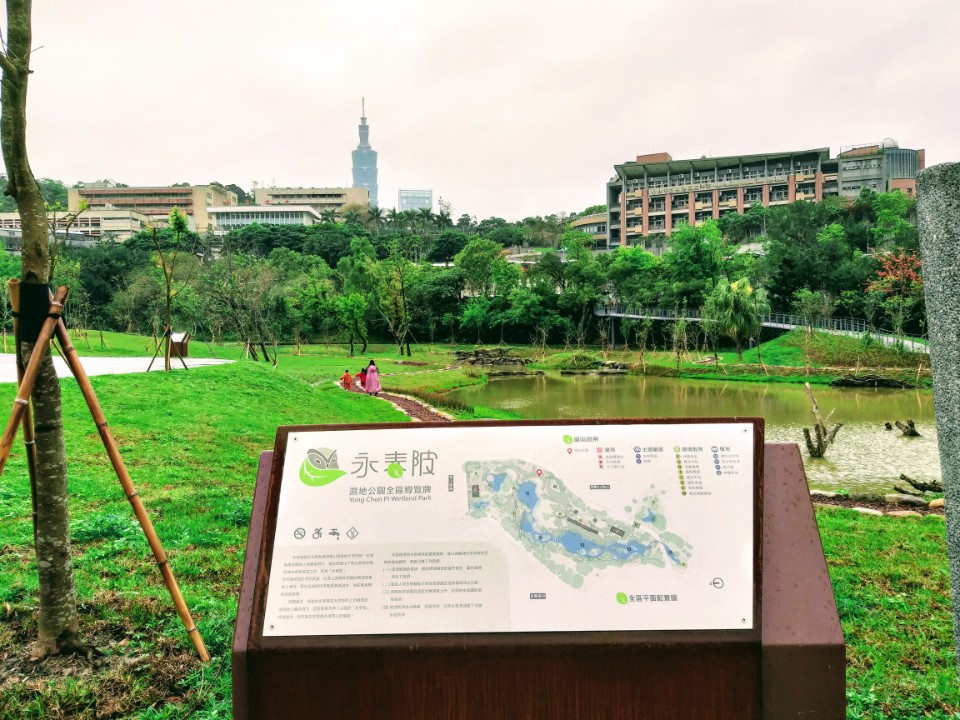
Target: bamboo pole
(22, 401)
(156, 351)
(29, 440)
(70, 354)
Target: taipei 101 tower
(365, 160)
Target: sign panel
(515, 528)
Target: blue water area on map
(527, 494)
(572, 541)
(650, 517)
(496, 480)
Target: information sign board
(514, 527)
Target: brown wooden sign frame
(788, 664)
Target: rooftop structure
(365, 160)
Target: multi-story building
(118, 225)
(414, 199)
(155, 202)
(231, 217)
(649, 197)
(881, 167)
(320, 199)
(365, 160)
(595, 225)
(12, 239)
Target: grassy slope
(191, 441)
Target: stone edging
(897, 502)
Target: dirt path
(416, 409)
(413, 408)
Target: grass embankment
(793, 357)
(191, 441)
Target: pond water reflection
(866, 457)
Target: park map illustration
(558, 528)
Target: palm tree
(394, 218)
(736, 310)
(375, 216)
(443, 220)
(424, 219)
(351, 216)
(328, 216)
(408, 219)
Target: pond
(865, 458)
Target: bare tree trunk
(58, 621)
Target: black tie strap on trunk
(34, 309)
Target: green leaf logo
(568, 439)
(395, 470)
(320, 468)
(622, 598)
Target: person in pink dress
(372, 383)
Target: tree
(446, 245)
(892, 228)
(58, 622)
(737, 311)
(694, 258)
(242, 197)
(901, 284)
(477, 260)
(168, 265)
(376, 217)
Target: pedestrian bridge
(852, 327)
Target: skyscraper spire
(365, 158)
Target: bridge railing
(843, 325)
(787, 320)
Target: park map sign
(529, 527)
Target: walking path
(413, 408)
(103, 365)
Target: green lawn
(191, 441)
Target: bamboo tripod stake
(73, 361)
(22, 401)
(29, 442)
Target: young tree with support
(38, 318)
(58, 623)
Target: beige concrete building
(155, 202)
(320, 199)
(118, 225)
(230, 218)
(595, 225)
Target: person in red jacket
(345, 380)
(362, 379)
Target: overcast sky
(507, 108)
